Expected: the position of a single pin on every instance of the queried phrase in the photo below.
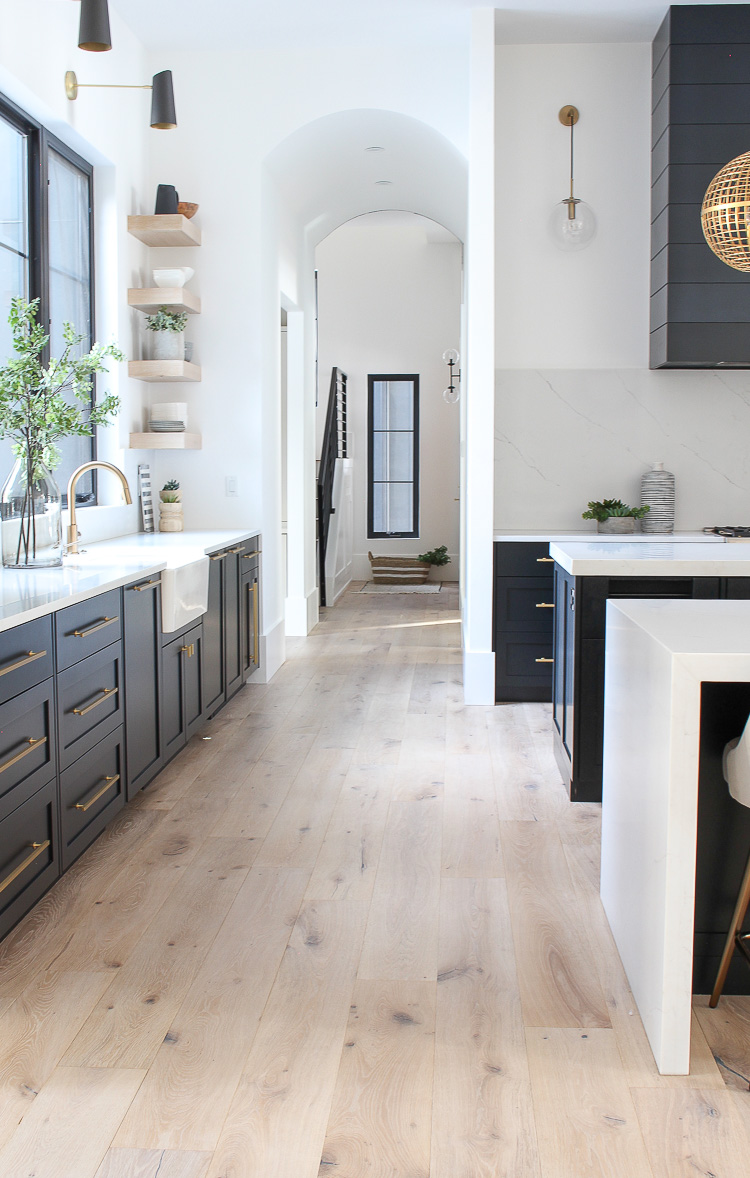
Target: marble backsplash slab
(565, 436)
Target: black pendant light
(163, 115)
(93, 31)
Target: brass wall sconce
(725, 211)
(452, 393)
(572, 223)
(163, 115)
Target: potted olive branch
(614, 516)
(38, 406)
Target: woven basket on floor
(398, 570)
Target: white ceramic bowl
(176, 276)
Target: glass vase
(31, 518)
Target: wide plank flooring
(356, 932)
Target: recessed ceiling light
(383, 182)
(374, 149)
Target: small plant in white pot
(168, 329)
(170, 507)
(614, 516)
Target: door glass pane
(400, 507)
(393, 448)
(393, 457)
(70, 291)
(380, 404)
(400, 404)
(14, 244)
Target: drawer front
(516, 663)
(89, 702)
(516, 559)
(27, 745)
(25, 657)
(523, 603)
(87, 627)
(91, 793)
(29, 855)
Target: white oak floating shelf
(161, 371)
(174, 298)
(149, 441)
(169, 229)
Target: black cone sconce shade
(93, 30)
(163, 114)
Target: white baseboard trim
(301, 614)
(272, 654)
(479, 676)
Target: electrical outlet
(230, 483)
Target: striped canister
(657, 493)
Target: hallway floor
(355, 933)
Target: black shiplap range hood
(700, 308)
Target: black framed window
(46, 252)
(392, 456)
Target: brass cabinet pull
(219, 556)
(234, 551)
(250, 555)
(34, 743)
(189, 650)
(108, 783)
(30, 658)
(98, 626)
(544, 660)
(545, 605)
(545, 560)
(106, 693)
(36, 850)
(255, 622)
(143, 588)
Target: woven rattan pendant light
(725, 213)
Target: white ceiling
(261, 24)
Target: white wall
(389, 302)
(578, 415)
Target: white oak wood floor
(356, 933)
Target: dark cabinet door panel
(232, 626)
(524, 603)
(87, 627)
(90, 702)
(142, 658)
(29, 855)
(27, 745)
(521, 559)
(192, 669)
(173, 697)
(214, 682)
(25, 657)
(91, 793)
(250, 621)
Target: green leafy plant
(437, 556)
(602, 509)
(170, 492)
(165, 320)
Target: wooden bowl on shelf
(187, 208)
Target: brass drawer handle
(30, 658)
(544, 660)
(36, 850)
(545, 560)
(108, 783)
(33, 744)
(219, 556)
(255, 622)
(98, 626)
(250, 555)
(545, 605)
(143, 588)
(106, 693)
(189, 650)
(234, 551)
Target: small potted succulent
(169, 334)
(613, 516)
(170, 507)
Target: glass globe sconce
(452, 393)
(572, 223)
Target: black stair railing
(334, 446)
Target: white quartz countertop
(590, 534)
(668, 558)
(717, 628)
(25, 595)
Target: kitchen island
(586, 576)
(669, 665)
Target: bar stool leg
(743, 900)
